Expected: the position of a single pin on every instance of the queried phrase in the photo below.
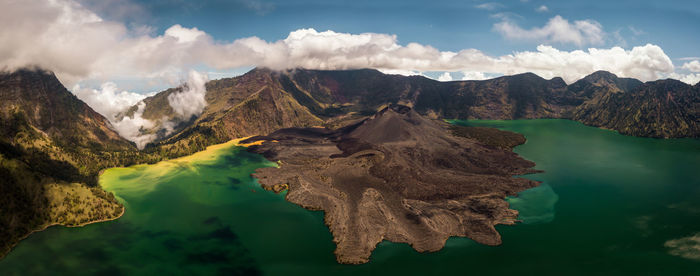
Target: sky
(113, 53)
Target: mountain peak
(528, 76)
(600, 75)
(30, 74)
(558, 82)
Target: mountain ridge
(337, 97)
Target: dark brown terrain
(397, 176)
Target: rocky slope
(662, 109)
(252, 104)
(52, 146)
(396, 176)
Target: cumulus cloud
(445, 77)
(693, 66)
(542, 8)
(107, 100)
(687, 78)
(190, 101)
(472, 75)
(687, 247)
(557, 30)
(76, 44)
(112, 102)
(131, 127)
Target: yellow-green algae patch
(144, 178)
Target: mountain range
(53, 145)
(264, 100)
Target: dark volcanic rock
(662, 109)
(396, 176)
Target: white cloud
(692, 66)
(690, 78)
(81, 47)
(108, 100)
(130, 127)
(687, 247)
(184, 35)
(472, 75)
(445, 77)
(401, 72)
(78, 45)
(687, 78)
(542, 8)
(190, 101)
(557, 30)
(489, 6)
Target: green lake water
(608, 204)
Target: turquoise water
(608, 204)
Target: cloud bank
(77, 44)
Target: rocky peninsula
(397, 176)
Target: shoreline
(46, 226)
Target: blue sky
(446, 25)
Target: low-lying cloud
(131, 127)
(108, 100)
(190, 101)
(113, 104)
(77, 44)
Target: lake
(608, 204)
